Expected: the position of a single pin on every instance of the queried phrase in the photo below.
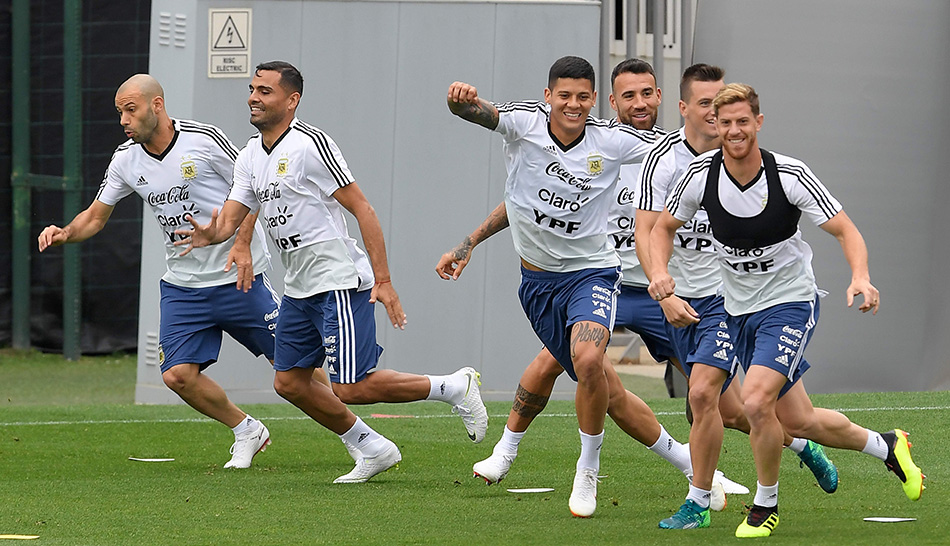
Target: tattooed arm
(454, 261)
(465, 103)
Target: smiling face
(137, 114)
(571, 101)
(636, 99)
(738, 129)
(697, 110)
(272, 106)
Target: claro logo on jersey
(173, 195)
(556, 170)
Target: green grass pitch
(65, 476)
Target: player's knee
(589, 369)
(545, 370)
(758, 407)
(177, 378)
(703, 398)
(350, 393)
(288, 388)
(735, 419)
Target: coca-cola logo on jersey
(556, 170)
(625, 197)
(173, 195)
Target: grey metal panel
(858, 93)
(441, 173)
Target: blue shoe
(813, 456)
(689, 516)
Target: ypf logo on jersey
(282, 164)
(595, 164)
(189, 171)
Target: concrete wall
(858, 90)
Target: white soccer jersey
(759, 278)
(620, 223)
(694, 265)
(558, 197)
(292, 184)
(191, 177)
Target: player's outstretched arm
(86, 224)
(661, 249)
(240, 254)
(353, 200)
(219, 229)
(465, 103)
(642, 227)
(856, 253)
(452, 263)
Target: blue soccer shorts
(192, 320)
(710, 341)
(776, 338)
(336, 327)
(640, 313)
(554, 302)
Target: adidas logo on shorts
(600, 312)
(782, 359)
(721, 354)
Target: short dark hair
(290, 77)
(571, 67)
(699, 72)
(632, 66)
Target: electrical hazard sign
(229, 43)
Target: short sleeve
(655, 180)
(516, 118)
(806, 192)
(114, 186)
(325, 164)
(222, 154)
(687, 195)
(241, 189)
(634, 143)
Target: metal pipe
(20, 175)
(659, 28)
(604, 60)
(633, 26)
(72, 172)
(686, 35)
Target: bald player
(183, 169)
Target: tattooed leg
(534, 390)
(588, 343)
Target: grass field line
(446, 416)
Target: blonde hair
(736, 92)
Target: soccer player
(562, 171)
(636, 98)
(754, 200)
(696, 315)
(295, 174)
(182, 169)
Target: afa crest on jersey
(595, 164)
(189, 171)
(282, 164)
